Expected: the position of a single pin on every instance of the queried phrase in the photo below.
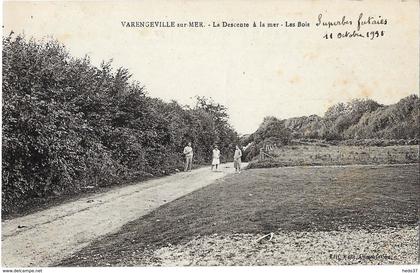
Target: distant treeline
(359, 122)
(68, 125)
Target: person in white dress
(216, 158)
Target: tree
(68, 124)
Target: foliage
(359, 122)
(68, 125)
(340, 117)
(358, 119)
(273, 129)
(397, 121)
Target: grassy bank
(282, 200)
(324, 155)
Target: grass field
(366, 213)
(324, 155)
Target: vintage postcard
(186, 133)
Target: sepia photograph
(231, 133)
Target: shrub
(68, 124)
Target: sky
(255, 72)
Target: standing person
(237, 159)
(188, 152)
(216, 158)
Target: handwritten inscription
(345, 27)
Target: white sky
(254, 72)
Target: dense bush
(366, 119)
(397, 121)
(272, 131)
(359, 122)
(338, 118)
(68, 125)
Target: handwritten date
(355, 34)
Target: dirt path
(45, 237)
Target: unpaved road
(43, 238)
